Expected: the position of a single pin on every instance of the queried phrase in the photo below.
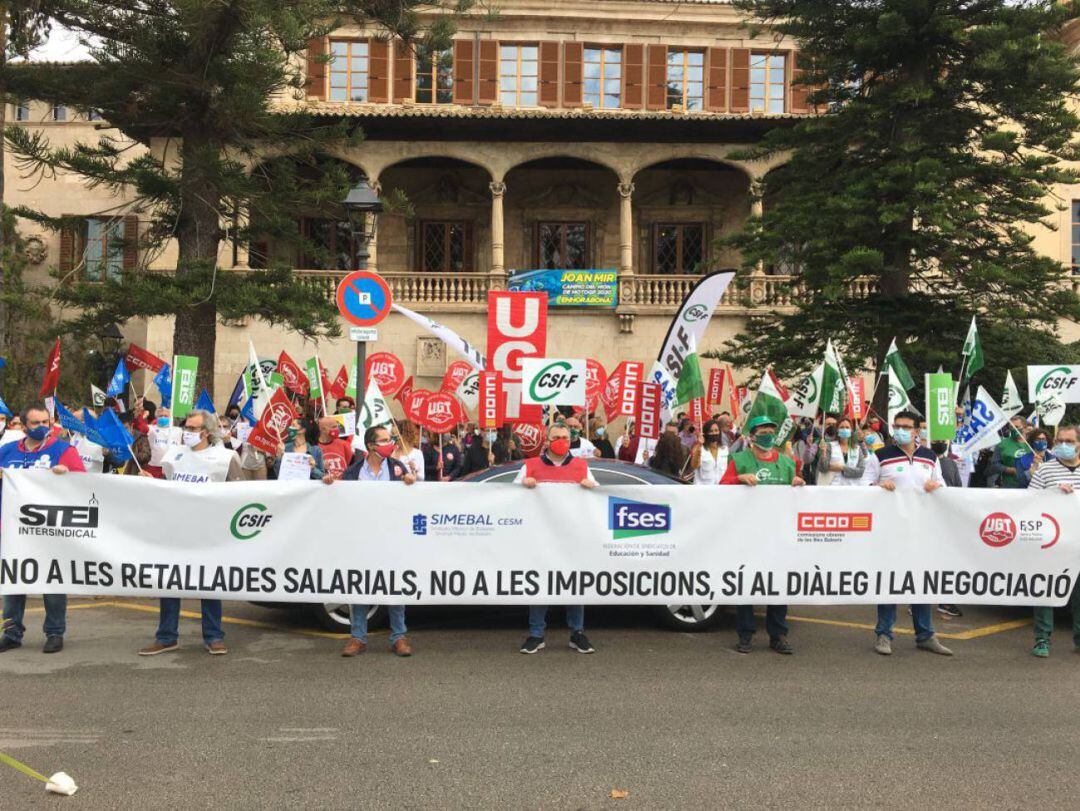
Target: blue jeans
(359, 622)
(575, 619)
(921, 618)
(168, 632)
(775, 621)
(55, 615)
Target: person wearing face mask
(1039, 442)
(1059, 470)
(377, 465)
(762, 464)
(407, 451)
(905, 466)
(842, 461)
(601, 442)
(39, 450)
(201, 457)
(709, 459)
(337, 451)
(555, 464)
(579, 445)
(1003, 465)
(295, 441)
(478, 455)
(10, 429)
(91, 453)
(162, 434)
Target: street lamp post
(363, 207)
(111, 338)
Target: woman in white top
(709, 458)
(841, 462)
(407, 451)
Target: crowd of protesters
(833, 451)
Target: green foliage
(947, 125)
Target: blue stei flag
(121, 377)
(248, 411)
(68, 421)
(92, 431)
(237, 392)
(163, 381)
(204, 403)
(116, 436)
(4, 409)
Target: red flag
(414, 406)
(295, 379)
(716, 386)
(517, 328)
(52, 372)
(779, 386)
(455, 373)
(340, 384)
(403, 394)
(697, 411)
(387, 370)
(734, 397)
(531, 438)
(647, 410)
(139, 358)
(595, 382)
(492, 411)
(438, 412)
(274, 422)
(856, 398)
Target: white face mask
(191, 438)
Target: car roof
(605, 471)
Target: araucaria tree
(944, 126)
(195, 81)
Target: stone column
(498, 191)
(626, 229)
(757, 209)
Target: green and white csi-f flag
(973, 354)
(255, 382)
(833, 382)
(898, 396)
(1010, 401)
(805, 397)
(895, 364)
(690, 385)
(768, 402)
(375, 410)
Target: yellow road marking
(974, 633)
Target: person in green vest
(762, 463)
(1011, 448)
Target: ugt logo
(632, 519)
(419, 524)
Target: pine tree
(944, 126)
(195, 81)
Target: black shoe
(580, 642)
(781, 645)
(533, 644)
(7, 643)
(53, 644)
(950, 610)
(743, 645)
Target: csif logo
(695, 312)
(632, 519)
(249, 521)
(552, 380)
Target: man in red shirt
(337, 451)
(555, 464)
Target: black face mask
(939, 448)
(713, 438)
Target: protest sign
(1062, 379)
(553, 381)
(517, 329)
(294, 466)
(940, 406)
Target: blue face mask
(1040, 445)
(844, 433)
(162, 422)
(902, 436)
(1066, 453)
(600, 431)
(871, 439)
(38, 433)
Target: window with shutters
(603, 77)
(22, 111)
(678, 247)
(768, 77)
(519, 75)
(445, 247)
(329, 244)
(562, 246)
(434, 76)
(103, 249)
(59, 112)
(685, 78)
(349, 71)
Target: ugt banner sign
(517, 329)
(553, 381)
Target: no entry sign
(364, 298)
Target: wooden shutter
(657, 78)
(633, 77)
(131, 242)
(67, 248)
(798, 92)
(464, 62)
(740, 80)
(549, 74)
(403, 71)
(573, 67)
(469, 263)
(716, 70)
(378, 71)
(316, 69)
(489, 72)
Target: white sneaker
(883, 645)
(933, 646)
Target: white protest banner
(347, 421)
(980, 429)
(1061, 379)
(553, 381)
(479, 543)
(294, 466)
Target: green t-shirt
(1011, 448)
(779, 471)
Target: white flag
(1010, 401)
(258, 383)
(98, 396)
(898, 396)
(468, 390)
(447, 335)
(981, 429)
(375, 410)
(803, 401)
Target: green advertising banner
(185, 368)
(940, 409)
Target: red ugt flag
(340, 384)
(52, 372)
(139, 358)
(274, 422)
(295, 379)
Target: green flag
(770, 403)
(690, 386)
(898, 396)
(311, 366)
(896, 365)
(973, 353)
(831, 398)
(184, 368)
(940, 409)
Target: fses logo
(632, 519)
(836, 522)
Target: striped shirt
(906, 472)
(1052, 472)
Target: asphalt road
(676, 720)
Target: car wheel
(336, 617)
(691, 618)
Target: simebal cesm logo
(249, 521)
(632, 519)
